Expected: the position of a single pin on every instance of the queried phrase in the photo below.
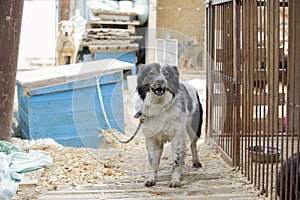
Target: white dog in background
(66, 44)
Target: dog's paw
(150, 182)
(175, 184)
(197, 164)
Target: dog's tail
(200, 116)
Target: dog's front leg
(154, 149)
(61, 59)
(73, 58)
(178, 148)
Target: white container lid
(41, 78)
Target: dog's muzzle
(159, 86)
(159, 91)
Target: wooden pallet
(114, 47)
(31, 179)
(110, 31)
(114, 16)
(114, 32)
(115, 25)
(104, 41)
(116, 37)
(100, 38)
(100, 22)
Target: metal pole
(10, 28)
(236, 71)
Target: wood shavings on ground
(109, 141)
(119, 170)
(74, 166)
(71, 166)
(39, 144)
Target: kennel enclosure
(253, 69)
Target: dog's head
(157, 79)
(66, 28)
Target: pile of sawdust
(75, 165)
(109, 141)
(71, 166)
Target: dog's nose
(160, 81)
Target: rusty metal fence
(253, 76)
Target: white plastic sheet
(14, 165)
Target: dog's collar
(138, 115)
(142, 116)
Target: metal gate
(253, 77)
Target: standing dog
(66, 44)
(171, 109)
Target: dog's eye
(165, 73)
(151, 73)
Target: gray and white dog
(172, 109)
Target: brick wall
(185, 21)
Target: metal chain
(112, 131)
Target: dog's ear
(140, 67)
(140, 76)
(59, 25)
(73, 27)
(175, 69)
